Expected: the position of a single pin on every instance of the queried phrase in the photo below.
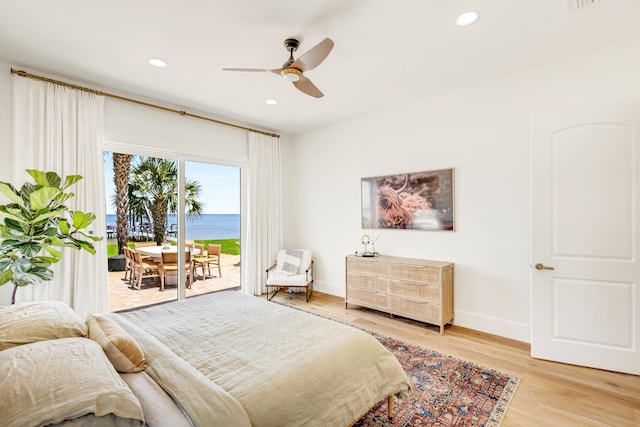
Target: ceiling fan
(293, 70)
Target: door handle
(539, 266)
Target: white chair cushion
(287, 258)
(297, 280)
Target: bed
(224, 359)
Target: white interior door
(585, 238)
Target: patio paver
(122, 296)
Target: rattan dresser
(413, 288)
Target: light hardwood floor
(549, 393)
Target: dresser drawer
(419, 291)
(415, 273)
(369, 266)
(374, 283)
(367, 298)
(419, 310)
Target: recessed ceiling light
(271, 101)
(157, 62)
(468, 18)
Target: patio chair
(143, 245)
(143, 269)
(128, 264)
(211, 258)
(293, 270)
(169, 264)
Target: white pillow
(293, 261)
(38, 321)
(48, 382)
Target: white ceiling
(387, 52)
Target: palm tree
(121, 169)
(155, 187)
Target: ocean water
(207, 227)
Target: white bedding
(284, 367)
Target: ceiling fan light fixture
(291, 74)
(468, 18)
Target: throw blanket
(285, 367)
(288, 263)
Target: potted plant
(36, 225)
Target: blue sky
(220, 186)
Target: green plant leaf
(54, 253)
(49, 214)
(5, 276)
(30, 249)
(46, 179)
(42, 273)
(82, 220)
(5, 264)
(21, 265)
(25, 279)
(63, 197)
(55, 241)
(44, 261)
(70, 180)
(9, 244)
(87, 247)
(39, 177)
(15, 225)
(42, 197)
(11, 193)
(64, 226)
(92, 237)
(10, 213)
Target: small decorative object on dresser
(413, 288)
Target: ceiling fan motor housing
(291, 44)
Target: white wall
(483, 132)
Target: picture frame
(415, 201)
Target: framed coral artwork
(418, 201)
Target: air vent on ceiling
(574, 5)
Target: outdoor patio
(122, 296)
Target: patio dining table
(156, 251)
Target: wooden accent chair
(169, 264)
(292, 270)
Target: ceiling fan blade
(311, 59)
(254, 70)
(305, 85)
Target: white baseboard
(329, 288)
(493, 325)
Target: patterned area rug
(446, 391)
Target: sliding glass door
(214, 234)
(143, 229)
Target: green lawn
(228, 246)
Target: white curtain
(59, 129)
(263, 236)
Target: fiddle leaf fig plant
(36, 225)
